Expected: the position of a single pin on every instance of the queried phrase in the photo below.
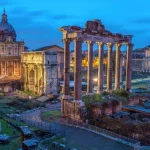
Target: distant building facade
(10, 50)
(60, 57)
(40, 72)
(141, 60)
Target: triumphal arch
(40, 73)
(94, 32)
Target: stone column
(129, 66)
(121, 60)
(100, 67)
(90, 68)
(6, 68)
(36, 79)
(1, 68)
(44, 78)
(109, 67)
(117, 67)
(14, 67)
(66, 88)
(27, 78)
(77, 70)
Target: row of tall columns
(78, 67)
(118, 67)
(5, 72)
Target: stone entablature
(40, 72)
(94, 31)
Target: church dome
(6, 26)
(6, 29)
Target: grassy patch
(14, 144)
(7, 130)
(29, 93)
(5, 99)
(49, 115)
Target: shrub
(105, 93)
(121, 92)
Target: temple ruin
(94, 32)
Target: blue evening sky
(37, 21)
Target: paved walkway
(83, 139)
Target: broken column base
(73, 109)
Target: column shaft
(117, 67)
(100, 67)
(128, 67)
(14, 67)
(36, 79)
(66, 87)
(27, 77)
(42, 79)
(90, 68)
(6, 68)
(109, 67)
(1, 68)
(121, 70)
(77, 70)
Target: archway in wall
(31, 80)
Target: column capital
(90, 42)
(130, 44)
(26, 65)
(109, 44)
(100, 43)
(118, 45)
(36, 67)
(78, 39)
(66, 40)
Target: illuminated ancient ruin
(93, 32)
(40, 72)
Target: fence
(56, 129)
(45, 126)
(111, 135)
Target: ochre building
(10, 52)
(40, 72)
